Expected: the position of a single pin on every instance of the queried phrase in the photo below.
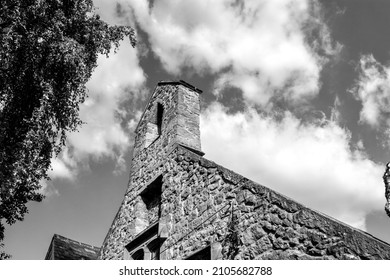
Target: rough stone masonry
(179, 205)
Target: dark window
(203, 254)
(138, 255)
(154, 125)
(160, 113)
(151, 196)
(154, 248)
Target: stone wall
(213, 204)
(204, 203)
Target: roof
(180, 82)
(62, 248)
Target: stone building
(179, 205)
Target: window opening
(138, 255)
(154, 125)
(160, 113)
(203, 254)
(151, 196)
(146, 245)
(154, 248)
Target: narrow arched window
(160, 113)
(138, 255)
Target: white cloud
(105, 133)
(259, 46)
(115, 80)
(312, 163)
(63, 166)
(47, 189)
(373, 90)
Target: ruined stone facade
(179, 205)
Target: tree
(386, 180)
(49, 49)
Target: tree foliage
(49, 49)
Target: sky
(296, 97)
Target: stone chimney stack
(171, 117)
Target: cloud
(63, 166)
(373, 90)
(264, 48)
(107, 11)
(335, 114)
(116, 87)
(47, 189)
(312, 163)
(116, 80)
